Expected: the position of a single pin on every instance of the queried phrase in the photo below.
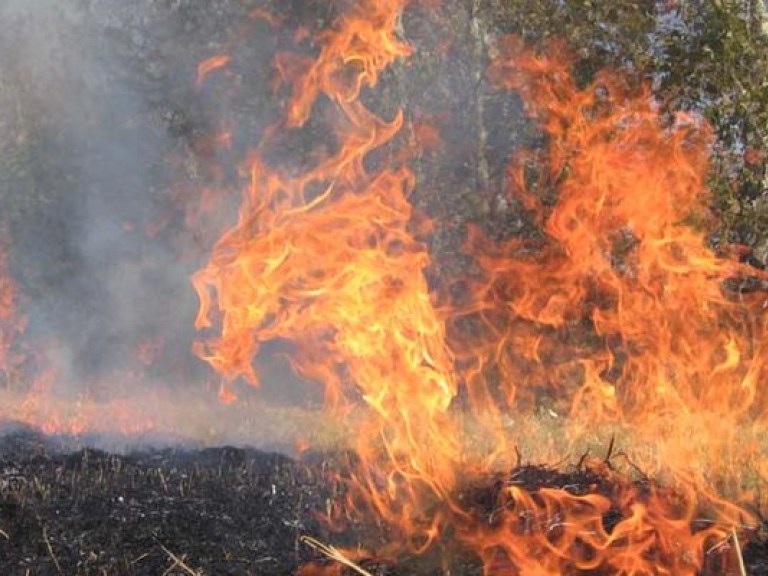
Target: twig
(51, 553)
(580, 463)
(4, 534)
(139, 558)
(739, 555)
(178, 562)
(637, 468)
(334, 554)
(609, 454)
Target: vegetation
(706, 56)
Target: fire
(675, 349)
(29, 379)
(329, 260)
(40, 408)
(620, 314)
(617, 320)
(205, 68)
(12, 323)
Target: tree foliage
(706, 56)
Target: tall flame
(672, 346)
(328, 260)
(620, 315)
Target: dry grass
(709, 447)
(51, 553)
(178, 563)
(334, 554)
(739, 555)
(709, 450)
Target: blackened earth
(66, 510)
(220, 511)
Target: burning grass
(164, 419)
(240, 511)
(333, 260)
(615, 327)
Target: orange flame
(12, 324)
(621, 254)
(28, 394)
(205, 67)
(270, 18)
(620, 315)
(327, 260)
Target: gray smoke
(105, 144)
(91, 102)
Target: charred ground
(223, 511)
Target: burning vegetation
(581, 395)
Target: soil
(220, 510)
(71, 510)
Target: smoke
(114, 184)
(92, 112)
(108, 149)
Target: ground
(218, 511)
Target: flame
(205, 67)
(43, 407)
(12, 323)
(618, 319)
(625, 261)
(29, 394)
(328, 260)
(270, 18)
(620, 314)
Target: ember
(468, 402)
